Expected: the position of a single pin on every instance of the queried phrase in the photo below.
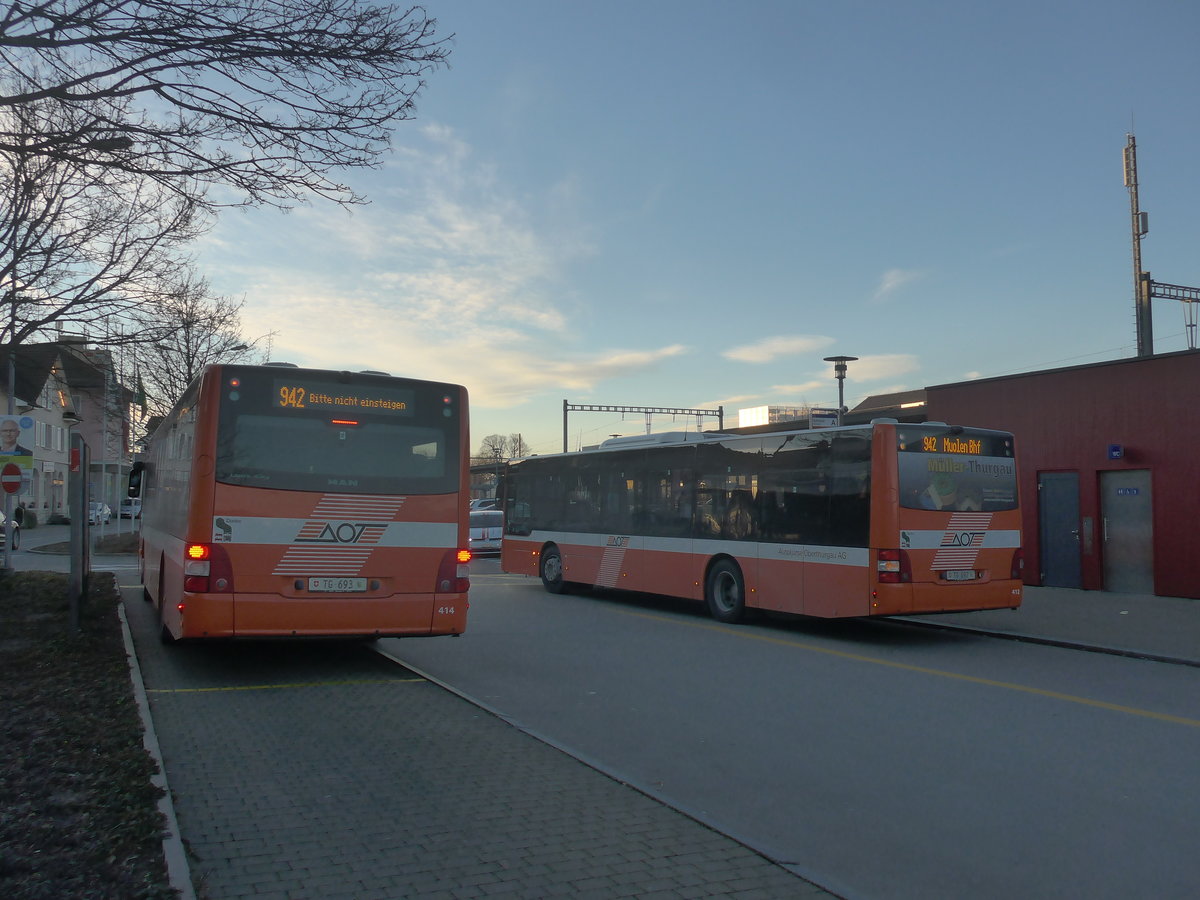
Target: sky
(689, 204)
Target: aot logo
(962, 539)
(618, 541)
(339, 533)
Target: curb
(1052, 642)
(178, 872)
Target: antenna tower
(1141, 278)
(1144, 287)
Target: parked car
(485, 503)
(487, 528)
(99, 512)
(16, 532)
(131, 508)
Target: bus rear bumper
(261, 616)
(927, 597)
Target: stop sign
(10, 477)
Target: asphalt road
(874, 759)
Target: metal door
(1058, 529)
(1127, 531)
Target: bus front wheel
(551, 568)
(725, 592)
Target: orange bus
(872, 520)
(281, 501)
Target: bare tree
(76, 249)
(517, 447)
(189, 329)
(494, 446)
(267, 97)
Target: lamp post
(9, 531)
(839, 372)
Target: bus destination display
(297, 395)
(960, 444)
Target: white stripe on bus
(837, 556)
(348, 532)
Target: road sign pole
(8, 531)
(10, 480)
(78, 508)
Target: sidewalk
(44, 535)
(1133, 624)
(314, 771)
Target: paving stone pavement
(322, 772)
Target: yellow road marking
(275, 687)
(907, 667)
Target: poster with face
(16, 437)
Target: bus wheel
(725, 592)
(164, 633)
(551, 570)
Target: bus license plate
(959, 575)
(337, 585)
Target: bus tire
(725, 592)
(164, 633)
(551, 570)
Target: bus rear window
(958, 469)
(403, 442)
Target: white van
(487, 528)
(131, 508)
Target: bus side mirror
(135, 480)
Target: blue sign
(1116, 451)
(1127, 492)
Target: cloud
(768, 349)
(447, 275)
(815, 386)
(511, 378)
(894, 279)
(881, 366)
(501, 368)
(731, 402)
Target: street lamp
(839, 372)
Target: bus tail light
(893, 567)
(1018, 564)
(454, 574)
(207, 570)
